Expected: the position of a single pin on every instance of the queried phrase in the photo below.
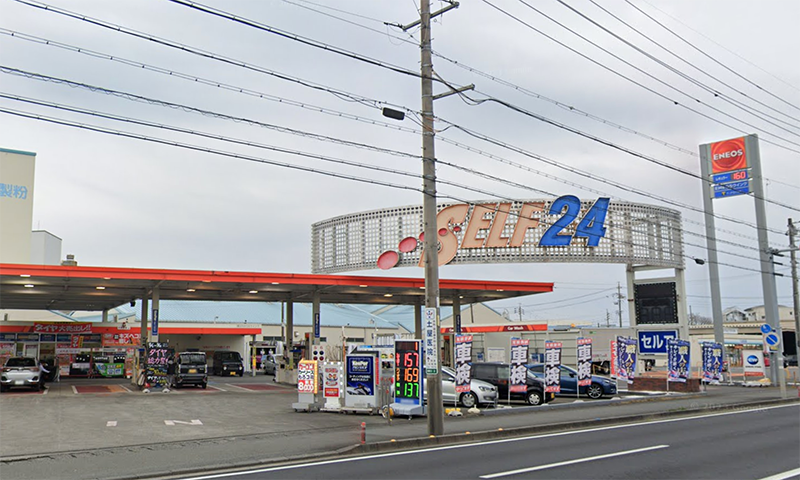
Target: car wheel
(204, 385)
(594, 391)
(3, 388)
(534, 397)
(469, 399)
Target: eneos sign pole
(732, 168)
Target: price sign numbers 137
(592, 225)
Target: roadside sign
(773, 340)
(766, 328)
(431, 329)
(655, 341)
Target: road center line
(784, 475)
(572, 462)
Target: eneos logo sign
(728, 155)
(752, 360)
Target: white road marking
(172, 423)
(111, 423)
(126, 388)
(572, 462)
(239, 388)
(74, 390)
(490, 442)
(784, 475)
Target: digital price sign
(408, 368)
(656, 303)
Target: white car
(480, 392)
(20, 372)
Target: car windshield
(537, 368)
(229, 356)
(21, 362)
(192, 358)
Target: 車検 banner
(552, 367)
(518, 381)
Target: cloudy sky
(121, 201)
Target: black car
(190, 369)
(498, 374)
(228, 363)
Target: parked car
(20, 372)
(480, 392)
(790, 361)
(270, 365)
(227, 363)
(569, 382)
(498, 374)
(190, 369)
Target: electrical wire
(718, 94)
(711, 57)
(275, 163)
(675, 102)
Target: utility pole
(520, 311)
(620, 297)
(431, 238)
(795, 296)
(608, 319)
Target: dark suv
(190, 369)
(498, 375)
(228, 363)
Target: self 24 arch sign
(562, 229)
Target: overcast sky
(126, 202)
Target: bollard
(363, 433)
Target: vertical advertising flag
(463, 362)
(584, 362)
(614, 361)
(712, 362)
(552, 367)
(626, 358)
(678, 360)
(518, 381)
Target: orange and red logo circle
(728, 155)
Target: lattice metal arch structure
(636, 234)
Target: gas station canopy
(49, 287)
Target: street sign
(655, 341)
(766, 328)
(772, 339)
(731, 189)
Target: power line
(206, 54)
(659, 80)
(673, 69)
(262, 160)
(711, 57)
(675, 102)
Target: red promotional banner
(62, 328)
(121, 339)
(728, 155)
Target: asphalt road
(745, 444)
(84, 428)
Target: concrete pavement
(107, 429)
